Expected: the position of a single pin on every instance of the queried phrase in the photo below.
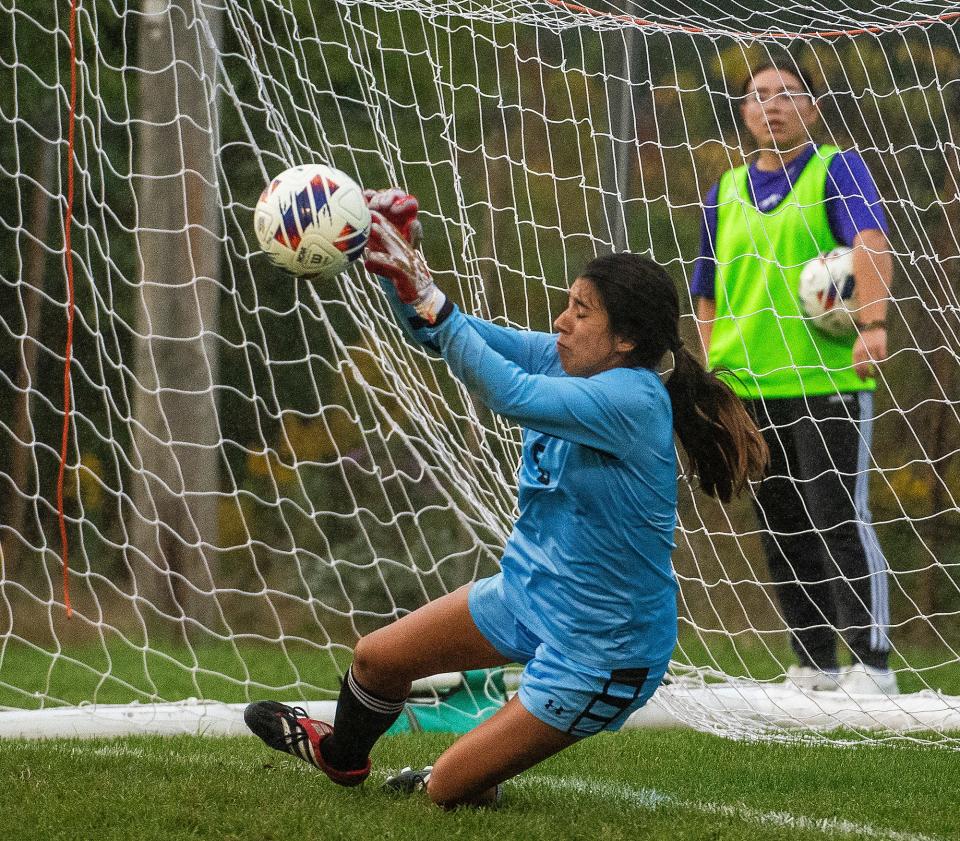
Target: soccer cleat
(860, 679)
(812, 679)
(408, 781)
(290, 730)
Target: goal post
(259, 470)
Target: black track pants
(824, 558)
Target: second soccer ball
(828, 292)
(312, 220)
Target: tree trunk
(34, 264)
(940, 429)
(175, 454)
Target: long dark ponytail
(723, 445)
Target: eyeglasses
(783, 98)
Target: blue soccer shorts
(573, 697)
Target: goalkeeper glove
(400, 209)
(391, 256)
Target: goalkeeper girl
(586, 595)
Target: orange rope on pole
(68, 256)
(577, 8)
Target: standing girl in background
(811, 393)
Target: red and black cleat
(290, 730)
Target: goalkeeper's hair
(723, 445)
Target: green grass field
(31, 677)
(672, 784)
(634, 785)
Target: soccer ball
(312, 220)
(828, 292)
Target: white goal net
(227, 476)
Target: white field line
(647, 799)
(650, 800)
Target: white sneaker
(809, 678)
(860, 679)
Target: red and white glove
(390, 255)
(400, 209)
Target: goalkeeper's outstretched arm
(573, 408)
(534, 352)
(413, 327)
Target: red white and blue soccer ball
(828, 292)
(312, 220)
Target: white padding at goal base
(191, 717)
(757, 707)
(750, 705)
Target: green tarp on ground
(478, 696)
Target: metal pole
(623, 152)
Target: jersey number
(544, 475)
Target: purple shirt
(851, 197)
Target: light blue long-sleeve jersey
(587, 567)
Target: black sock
(361, 719)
